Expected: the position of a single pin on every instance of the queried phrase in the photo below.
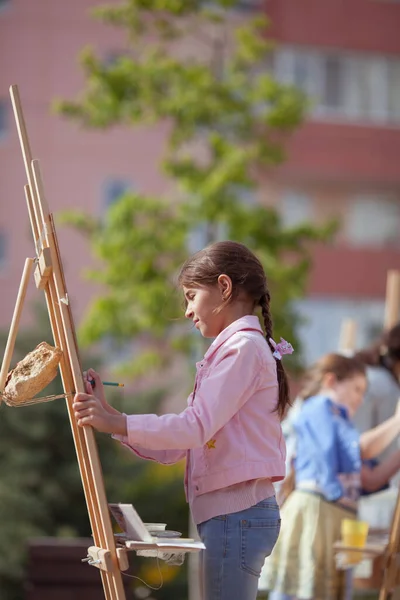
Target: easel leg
(26, 274)
(392, 299)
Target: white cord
(147, 584)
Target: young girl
(329, 474)
(230, 433)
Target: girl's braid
(266, 313)
(284, 398)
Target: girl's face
(350, 392)
(202, 304)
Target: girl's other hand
(89, 410)
(96, 389)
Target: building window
(3, 118)
(394, 90)
(333, 83)
(366, 88)
(113, 190)
(374, 221)
(302, 69)
(295, 208)
(344, 84)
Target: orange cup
(354, 533)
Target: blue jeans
(236, 547)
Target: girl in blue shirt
(329, 473)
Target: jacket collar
(249, 322)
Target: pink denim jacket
(230, 431)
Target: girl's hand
(91, 376)
(97, 389)
(89, 410)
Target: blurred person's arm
(374, 441)
(374, 478)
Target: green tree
(202, 70)
(218, 94)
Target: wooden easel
(347, 339)
(49, 277)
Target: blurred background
(275, 123)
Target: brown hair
(385, 352)
(247, 275)
(343, 367)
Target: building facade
(41, 42)
(342, 163)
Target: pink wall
(353, 153)
(345, 272)
(40, 43)
(370, 25)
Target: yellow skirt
(302, 563)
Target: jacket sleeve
(227, 387)
(165, 457)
